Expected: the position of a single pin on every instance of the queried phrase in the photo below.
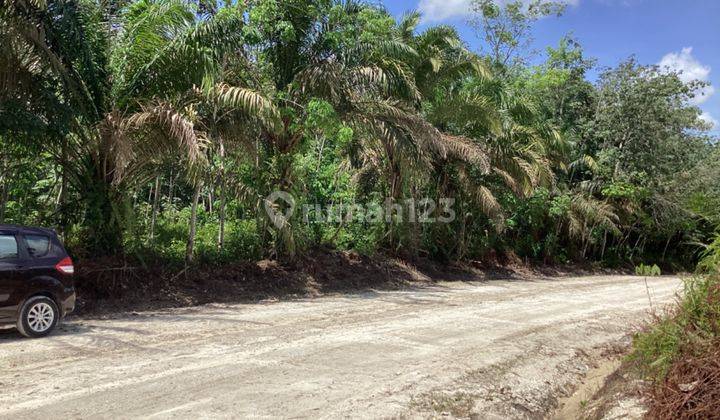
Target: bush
(694, 323)
(710, 261)
(680, 354)
(242, 242)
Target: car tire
(38, 317)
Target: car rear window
(8, 247)
(38, 245)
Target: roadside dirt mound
(122, 284)
(115, 284)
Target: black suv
(36, 280)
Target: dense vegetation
(159, 127)
(680, 352)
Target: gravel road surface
(504, 348)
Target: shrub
(648, 270)
(679, 353)
(692, 323)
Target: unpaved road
(497, 348)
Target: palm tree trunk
(190, 250)
(105, 218)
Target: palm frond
(465, 150)
(407, 25)
(158, 131)
(584, 161)
(248, 101)
(587, 212)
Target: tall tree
(118, 91)
(505, 27)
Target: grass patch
(457, 404)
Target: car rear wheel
(38, 317)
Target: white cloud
(690, 69)
(439, 10)
(705, 116)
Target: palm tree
(460, 96)
(121, 82)
(232, 117)
(323, 50)
(398, 143)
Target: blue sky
(684, 34)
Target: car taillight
(65, 266)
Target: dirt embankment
(494, 349)
(112, 285)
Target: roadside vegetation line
(680, 352)
(171, 133)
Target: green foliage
(624, 191)
(710, 259)
(115, 122)
(691, 327)
(506, 26)
(648, 270)
(645, 126)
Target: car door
(11, 283)
(42, 255)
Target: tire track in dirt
(368, 354)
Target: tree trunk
(395, 193)
(4, 190)
(223, 199)
(667, 244)
(62, 200)
(171, 194)
(104, 219)
(415, 223)
(156, 207)
(189, 253)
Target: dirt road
(498, 348)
